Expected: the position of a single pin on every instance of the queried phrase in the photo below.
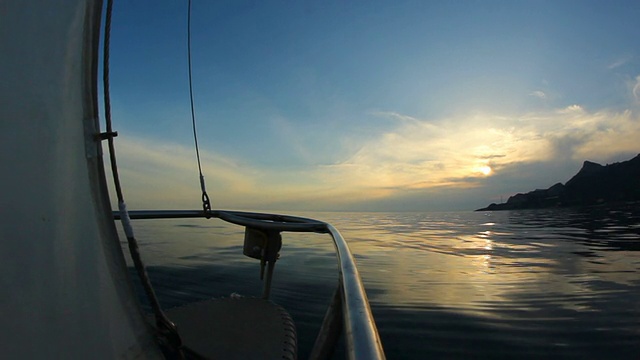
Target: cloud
(290, 135)
(396, 116)
(619, 62)
(417, 159)
(575, 109)
(454, 153)
(636, 89)
(539, 94)
(161, 174)
(493, 156)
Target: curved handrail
(362, 339)
(361, 333)
(243, 218)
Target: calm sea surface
(513, 284)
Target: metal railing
(349, 304)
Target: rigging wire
(206, 204)
(167, 329)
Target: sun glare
(485, 170)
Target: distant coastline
(594, 184)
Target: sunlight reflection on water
(561, 283)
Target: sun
(485, 170)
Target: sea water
(484, 285)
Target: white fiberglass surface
(65, 291)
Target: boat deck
(236, 328)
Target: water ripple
(520, 284)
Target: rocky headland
(594, 184)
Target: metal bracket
(106, 135)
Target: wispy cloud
(539, 94)
(619, 62)
(417, 155)
(455, 152)
(291, 136)
(636, 89)
(396, 116)
(163, 174)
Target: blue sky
(370, 105)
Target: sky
(369, 105)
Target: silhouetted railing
(350, 303)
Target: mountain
(593, 184)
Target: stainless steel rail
(361, 334)
(362, 339)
